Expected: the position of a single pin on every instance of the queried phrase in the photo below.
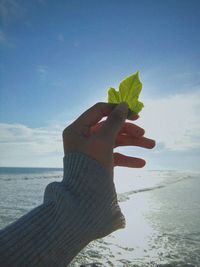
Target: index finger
(94, 114)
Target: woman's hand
(98, 139)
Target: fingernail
(122, 107)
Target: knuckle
(66, 131)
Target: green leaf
(129, 91)
(113, 96)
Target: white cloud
(24, 146)
(174, 121)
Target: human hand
(98, 139)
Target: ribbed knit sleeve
(77, 210)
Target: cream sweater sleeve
(81, 208)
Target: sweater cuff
(94, 190)
(84, 174)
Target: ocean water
(162, 210)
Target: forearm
(75, 212)
(43, 237)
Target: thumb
(115, 121)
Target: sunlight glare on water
(161, 209)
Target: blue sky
(59, 57)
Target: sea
(161, 207)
